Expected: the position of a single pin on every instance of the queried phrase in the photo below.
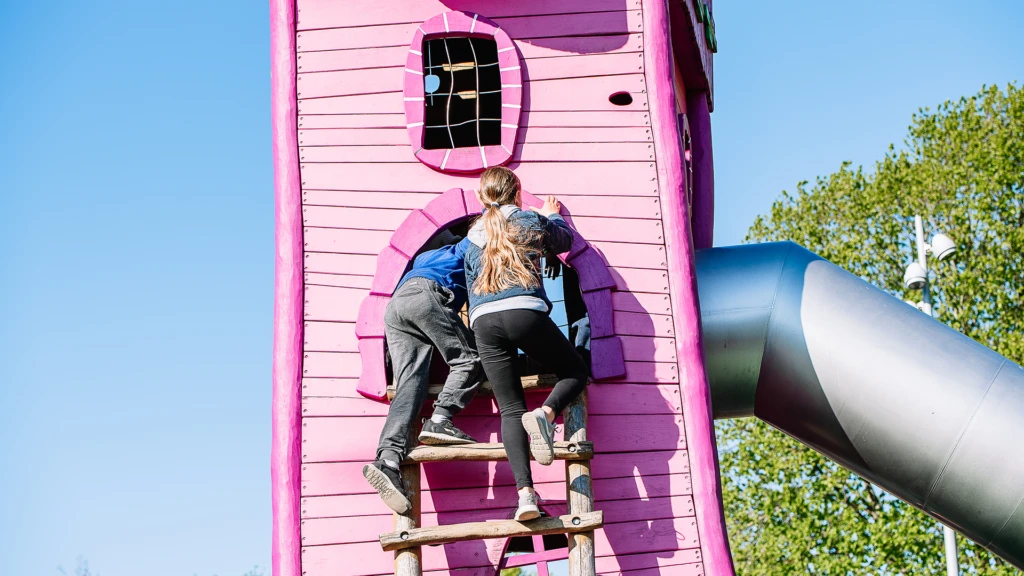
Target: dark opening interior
(462, 93)
(621, 99)
(688, 165)
(521, 546)
(524, 544)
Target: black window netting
(462, 93)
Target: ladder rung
(570, 523)
(492, 451)
(539, 382)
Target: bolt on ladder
(578, 523)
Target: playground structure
(606, 103)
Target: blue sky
(136, 226)
(801, 86)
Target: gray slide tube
(908, 403)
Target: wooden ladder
(578, 523)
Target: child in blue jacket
(423, 315)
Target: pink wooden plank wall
(360, 181)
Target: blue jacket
(446, 267)
(556, 238)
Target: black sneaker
(443, 434)
(388, 483)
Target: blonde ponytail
(509, 254)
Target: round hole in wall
(621, 99)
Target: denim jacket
(556, 237)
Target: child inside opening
(508, 311)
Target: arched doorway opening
(447, 212)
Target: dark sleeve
(460, 248)
(557, 234)
(440, 240)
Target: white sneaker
(527, 509)
(542, 436)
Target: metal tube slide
(903, 400)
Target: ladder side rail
(579, 490)
(409, 561)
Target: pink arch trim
(476, 158)
(596, 283)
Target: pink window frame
(455, 205)
(476, 158)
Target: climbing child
(508, 311)
(423, 315)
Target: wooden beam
(539, 382)
(408, 561)
(579, 490)
(434, 535)
(492, 451)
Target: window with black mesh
(462, 93)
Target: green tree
(792, 511)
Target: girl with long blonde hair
(508, 312)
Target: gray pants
(417, 321)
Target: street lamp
(942, 246)
(916, 278)
(916, 275)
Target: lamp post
(916, 278)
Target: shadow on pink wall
(640, 483)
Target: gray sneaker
(528, 509)
(542, 436)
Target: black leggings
(499, 336)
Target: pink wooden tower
(384, 113)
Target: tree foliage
(792, 511)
